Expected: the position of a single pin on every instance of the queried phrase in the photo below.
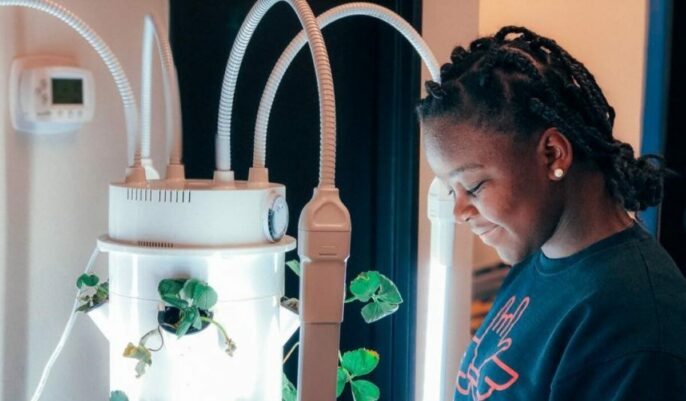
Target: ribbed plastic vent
(158, 195)
(155, 244)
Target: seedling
(93, 293)
(188, 304)
(379, 292)
(354, 364)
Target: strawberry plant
(92, 292)
(187, 310)
(381, 298)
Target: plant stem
(349, 300)
(147, 335)
(219, 326)
(288, 355)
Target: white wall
(53, 201)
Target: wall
(611, 44)
(53, 201)
(7, 43)
(609, 37)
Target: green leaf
(288, 390)
(364, 390)
(170, 287)
(87, 280)
(360, 362)
(365, 285)
(189, 289)
(118, 396)
(294, 265)
(377, 310)
(197, 323)
(188, 317)
(388, 291)
(204, 297)
(176, 302)
(341, 379)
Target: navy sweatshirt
(605, 324)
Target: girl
(593, 307)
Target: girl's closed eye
(474, 190)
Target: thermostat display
(67, 91)
(50, 95)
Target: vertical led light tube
(440, 210)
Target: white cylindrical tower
(233, 239)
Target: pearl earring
(558, 173)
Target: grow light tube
(440, 204)
(154, 31)
(134, 172)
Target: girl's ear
(555, 152)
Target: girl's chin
(510, 254)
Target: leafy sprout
(194, 299)
(381, 293)
(92, 293)
(381, 298)
(354, 364)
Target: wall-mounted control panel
(50, 95)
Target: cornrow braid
(521, 83)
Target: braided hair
(521, 83)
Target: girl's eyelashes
(475, 189)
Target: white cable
(153, 30)
(110, 60)
(65, 334)
(332, 15)
(327, 101)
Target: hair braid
(520, 82)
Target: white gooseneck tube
(130, 110)
(330, 16)
(327, 101)
(155, 33)
(324, 226)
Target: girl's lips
(487, 235)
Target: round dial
(276, 221)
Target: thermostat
(50, 95)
